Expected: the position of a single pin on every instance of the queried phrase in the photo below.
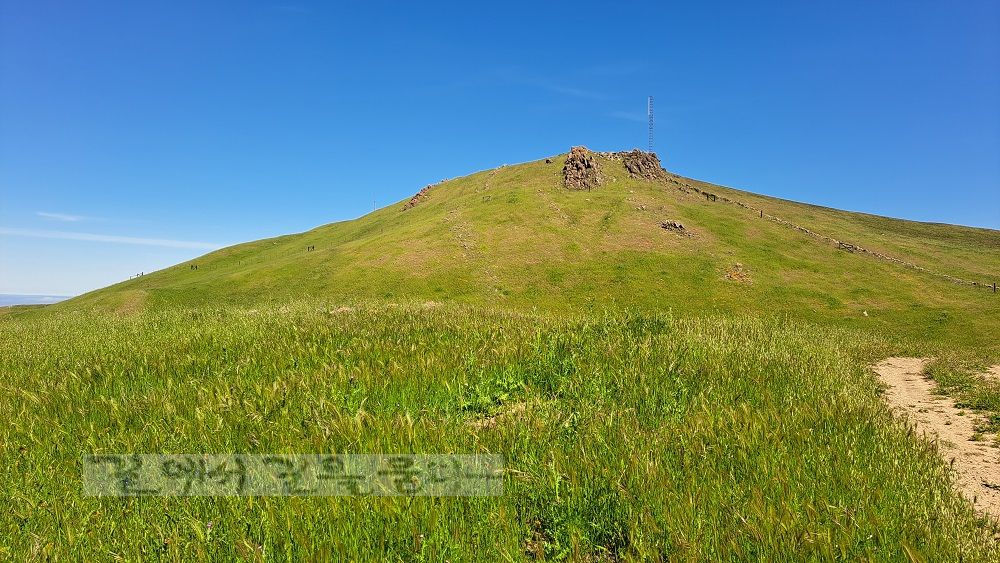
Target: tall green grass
(627, 436)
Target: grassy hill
(653, 400)
(516, 237)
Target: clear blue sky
(136, 135)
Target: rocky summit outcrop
(638, 164)
(581, 170)
(643, 165)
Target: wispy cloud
(37, 233)
(638, 117)
(616, 69)
(516, 76)
(567, 90)
(60, 216)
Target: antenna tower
(649, 110)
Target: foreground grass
(626, 436)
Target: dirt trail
(976, 463)
(993, 373)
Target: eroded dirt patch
(131, 301)
(993, 373)
(738, 273)
(511, 413)
(976, 462)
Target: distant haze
(7, 299)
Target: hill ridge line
(852, 248)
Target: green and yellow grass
(650, 404)
(627, 436)
(515, 238)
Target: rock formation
(638, 164)
(581, 170)
(643, 165)
(417, 198)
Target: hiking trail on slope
(976, 463)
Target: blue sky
(136, 135)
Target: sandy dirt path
(976, 463)
(993, 373)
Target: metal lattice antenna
(649, 110)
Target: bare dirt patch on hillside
(976, 462)
(129, 302)
(993, 373)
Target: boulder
(643, 165)
(581, 171)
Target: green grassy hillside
(657, 394)
(516, 237)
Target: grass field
(650, 405)
(627, 436)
